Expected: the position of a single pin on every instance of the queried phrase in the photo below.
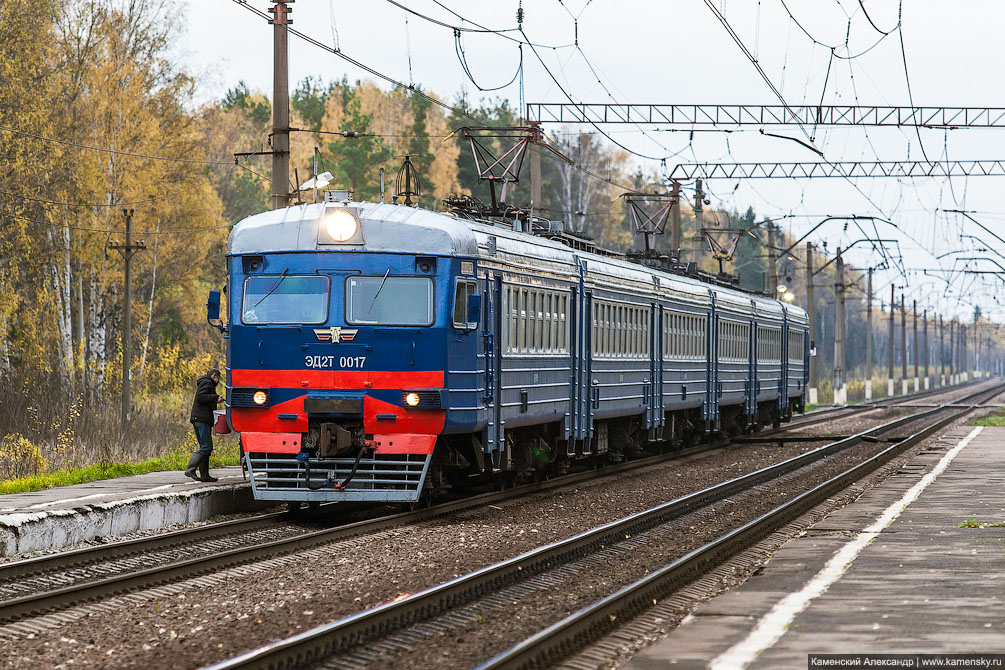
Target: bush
(19, 457)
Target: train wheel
(503, 480)
(425, 501)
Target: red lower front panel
(404, 443)
(271, 443)
(266, 419)
(395, 429)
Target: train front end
(337, 350)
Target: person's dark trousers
(200, 459)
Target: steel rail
(315, 645)
(573, 633)
(85, 591)
(125, 548)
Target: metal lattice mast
(728, 116)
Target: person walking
(205, 402)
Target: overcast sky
(679, 52)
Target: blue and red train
(377, 352)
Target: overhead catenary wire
(753, 60)
(132, 203)
(391, 80)
(415, 90)
(499, 32)
(107, 231)
(463, 59)
(592, 123)
(116, 152)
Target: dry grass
(45, 431)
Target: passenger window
(563, 342)
(539, 321)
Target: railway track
(62, 580)
(389, 634)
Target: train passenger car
(377, 352)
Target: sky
(869, 52)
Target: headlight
(259, 397)
(412, 399)
(339, 225)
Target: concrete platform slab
(919, 584)
(52, 519)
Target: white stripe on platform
(774, 624)
(101, 495)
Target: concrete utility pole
(903, 342)
(772, 262)
(893, 309)
(840, 390)
(977, 350)
(964, 364)
(952, 351)
(280, 104)
(942, 351)
(698, 241)
(914, 348)
(675, 231)
(127, 251)
(868, 337)
(924, 321)
(811, 312)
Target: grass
(973, 523)
(225, 452)
(995, 419)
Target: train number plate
(328, 362)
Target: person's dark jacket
(205, 400)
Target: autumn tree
(100, 120)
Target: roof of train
(402, 229)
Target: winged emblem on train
(336, 334)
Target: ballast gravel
(245, 609)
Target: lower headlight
(260, 397)
(412, 399)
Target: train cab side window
(463, 290)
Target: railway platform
(59, 517)
(914, 566)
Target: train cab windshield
(390, 301)
(285, 299)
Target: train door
(654, 390)
(712, 384)
(492, 347)
(783, 376)
(753, 386)
(581, 397)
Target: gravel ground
(491, 630)
(858, 422)
(202, 625)
(651, 627)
